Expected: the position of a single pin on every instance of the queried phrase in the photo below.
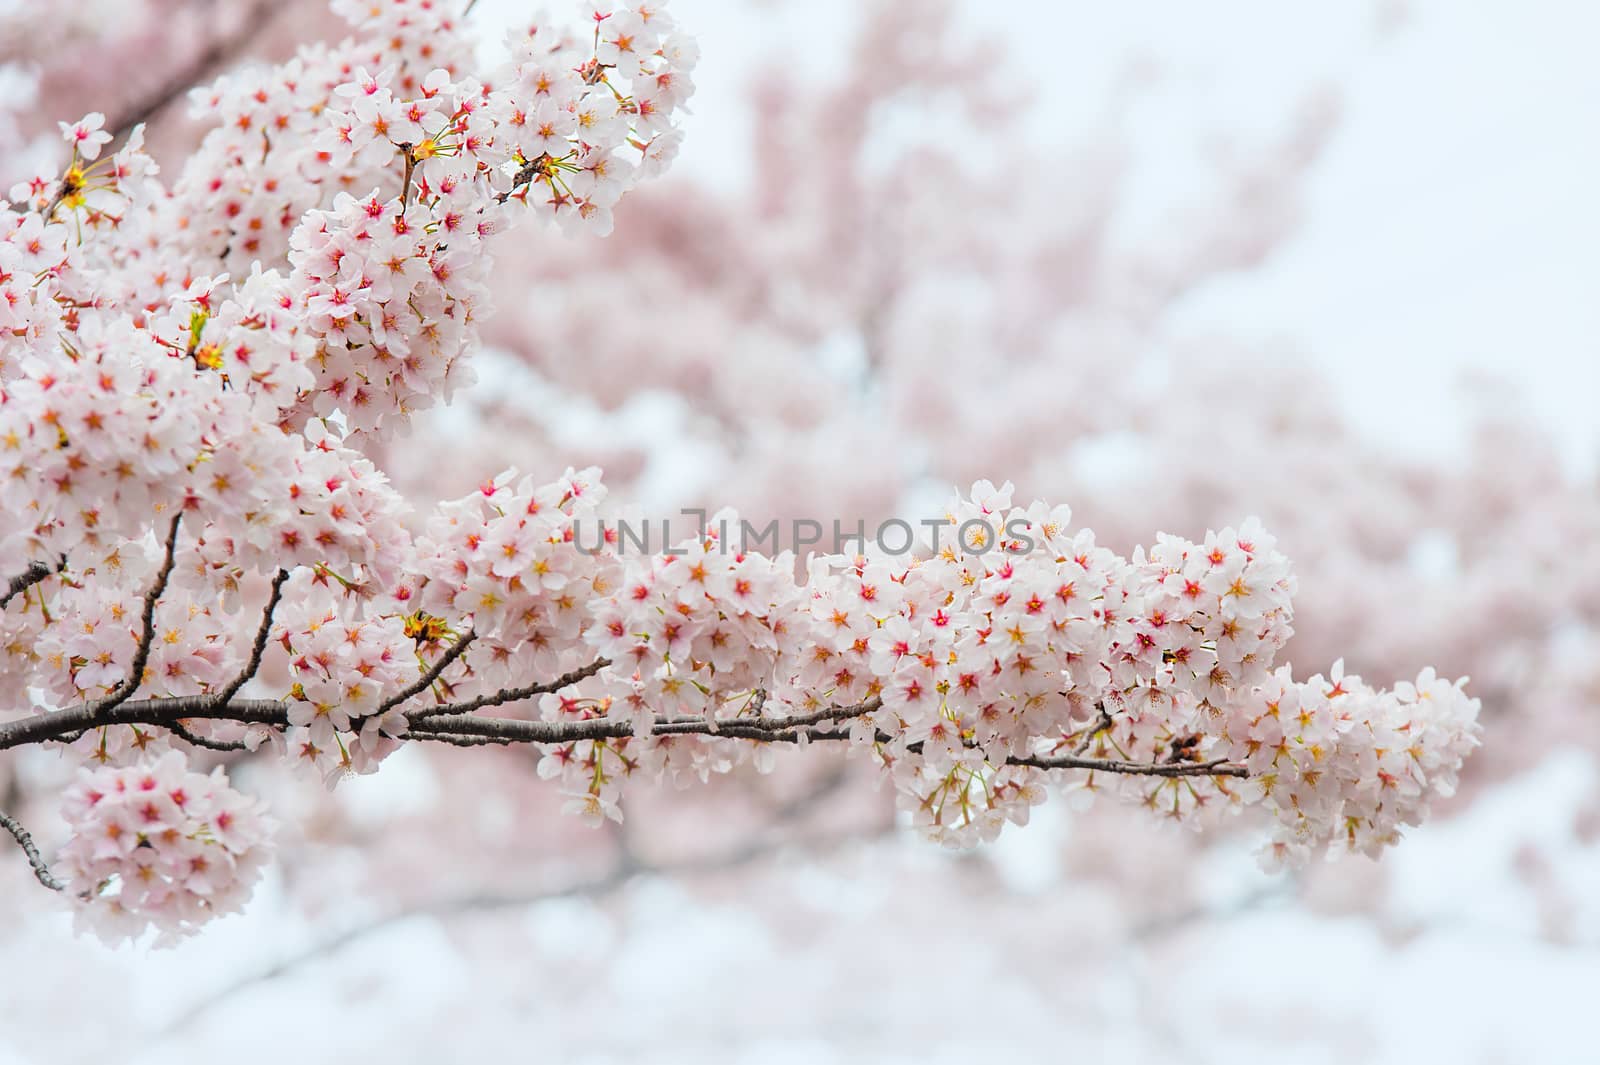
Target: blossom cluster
(389, 280)
(1334, 759)
(342, 667)
(508, 556)
(686, 631)
(162, 845)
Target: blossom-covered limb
(454, 719)
(1217, 767)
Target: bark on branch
(29, 577)
(147, 622)
(35, 859)
(461, 727)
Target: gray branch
(178, 729)
(424, 682)
(147, 623)
(456, 724)
(35, 859)
(512, 695)
(35, 573)
(259, 647)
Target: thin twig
(512, 695)
(178, 729)
(405, 181)
(24, 840)
(258, 648)
(424, 682)
(1099, 725)
(147, 631)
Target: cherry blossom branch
(471, 731)
(267, 443)
(116, 709)
(523, 180)
(455, 724)
(25, 840)
(182, 731)
(453, 740)
(1218, 767)
(163, 713)
(454, 719)
(1098, 725)
(450, 726)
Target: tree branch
(512, 695)
(1094, 728)
(424, 682)
(1219, 767)
(25, 841)
(163, 713)
(180, 730)
(147, 630)
(35, 573)
(258, 648)
(456, 724)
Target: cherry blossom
(86, 136)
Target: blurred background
(1175, 265)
